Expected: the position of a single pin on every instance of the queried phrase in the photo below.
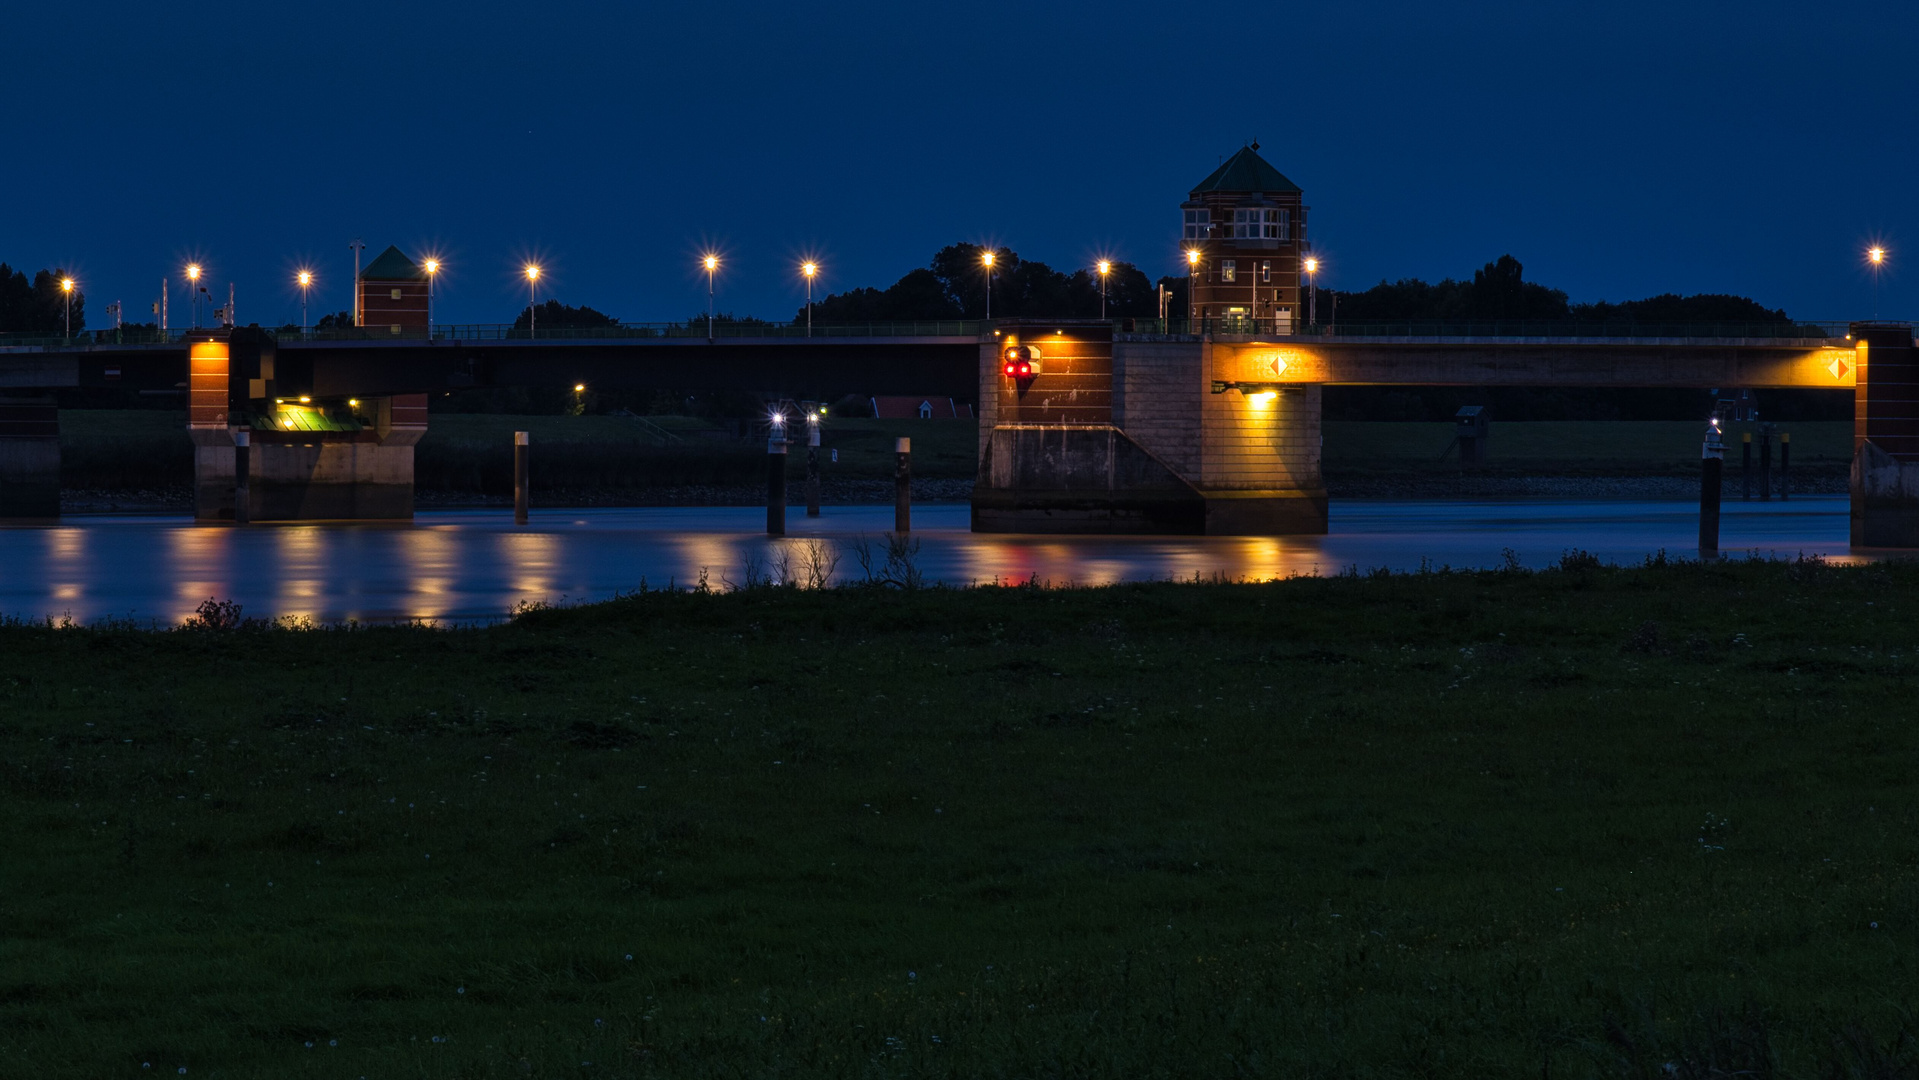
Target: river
(476, 566)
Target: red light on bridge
(1020, 361)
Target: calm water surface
(460, 566)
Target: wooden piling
(1785, 464)
(1712, 463)
(520, 494)
(1765, 463)
(1745, 465)
(903, 485)
(776, 481)
(813, 466)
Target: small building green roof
(392, 266)
(1246, 171)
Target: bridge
(1125, 426)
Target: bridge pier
(1885, 437)
(29, 457)
(309, 459)
(1141, 437)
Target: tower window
(396, 294)
(1228, 270)
(1265, 270)
(1278, 225)
(1198, 224)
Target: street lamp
(532, 297)
(432, 268)
(66, 286)
(1192, 298)
(809, 269)
(193, 291)
(305, 280)
(987, 261)
(1875, 255)
(712, 263)
(1105, 268)
(1312, 292)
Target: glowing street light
(66, 286)
(1105, 268)
(1876, 256)
(193, 291)
(1192, 298)
(986, 260)
(305, 280)
(1312, 291)
(712, 263)
(809, 270)
(532, 296)
(432, 268)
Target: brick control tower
(1247, 225)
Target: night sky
(1617, 150)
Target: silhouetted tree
(38, 307)
(554, 315)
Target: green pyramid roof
(392, 266)
(1246, 171)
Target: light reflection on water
(458, 566)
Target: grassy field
(1586, 822)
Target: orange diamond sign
(1838, 368)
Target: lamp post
(193, 291)
(1192, 296)
(66, 286)
(809, 269)
(432, 268)
(712, 263)
(1105, 268)
(986, 260)
(1877, 257)
(305, 281)
(1312, 292)
(532, 298)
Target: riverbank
(1578, 822)
(140, 461)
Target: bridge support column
(1885, 461)
(1144, 437)
(29, 457)
(315, 475)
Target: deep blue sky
(1618, 150)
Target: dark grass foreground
(1588, 822)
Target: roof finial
(1254, 145)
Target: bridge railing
(1184, 329)
(1123, 329)
(633, 330)
(146, 335)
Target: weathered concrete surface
(1051, 479)
(1885, 499)
(331, 479)
(1682, 362)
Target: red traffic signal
(1020, 361)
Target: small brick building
(393, 294)
(1248, 223)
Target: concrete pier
(1885, 461)
(1142, 437)
(29, 456)
(308, 459)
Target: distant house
(906, 407)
